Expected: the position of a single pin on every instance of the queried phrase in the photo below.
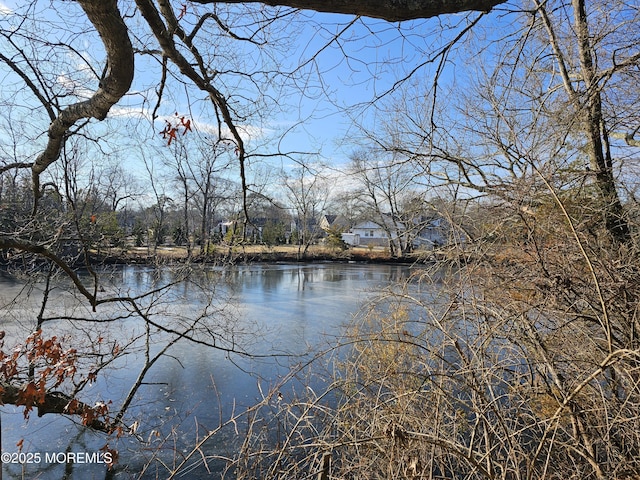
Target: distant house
(276, 229)
(429, 232)
(334, 222)
(366, 233)
(425, 232)
(225, 227)
(232, 227)
(308, 226)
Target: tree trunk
(596, 133)
(588, 105)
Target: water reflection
(287, 310)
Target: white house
(366, 233)
(425, 233)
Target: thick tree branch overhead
(391, 10)
(107, 20)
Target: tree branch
(202, 81)
(16, 165)
(55, 402)
(391, 10)
(628, 137)
(107, 20)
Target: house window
(371, 233)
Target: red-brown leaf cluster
(171, 129)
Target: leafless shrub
(522, 363)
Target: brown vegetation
(256, 253)
(523, 363)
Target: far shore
(254, 254)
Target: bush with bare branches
(522, 363)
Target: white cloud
(4, 10)
(73, 88)
(66, 82)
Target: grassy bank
(252, 253)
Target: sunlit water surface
(282, 313)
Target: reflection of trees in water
(163, 393)
(94, 364)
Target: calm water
(281, 313)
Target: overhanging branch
(391, 10)
(628, 137)
(55, 402)
(107, 20)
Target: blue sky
(366, 62)
(348, 63)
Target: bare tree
(550, 105)
(385, 186)
(212, 187)
(307, 190)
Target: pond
(280, 315)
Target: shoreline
(254, 255)
(250, 254)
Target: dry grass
(252, 253)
